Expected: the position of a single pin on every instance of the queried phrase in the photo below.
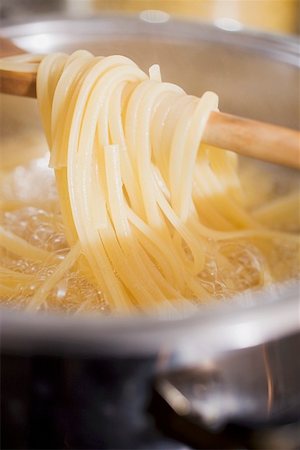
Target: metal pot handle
(253, 386)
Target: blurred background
(277, 16)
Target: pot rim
(244, 321)
(278, 46)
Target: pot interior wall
(251, 75)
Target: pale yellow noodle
(144, 201)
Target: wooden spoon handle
(255, 139)
(22, 84)
(15, 83)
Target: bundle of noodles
(152, 215)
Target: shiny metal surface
(247, 386)
(247, 69)
(243, 352)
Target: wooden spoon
(244, 136)
(22, 84)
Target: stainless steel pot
(236, 362)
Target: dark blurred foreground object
(113, 403)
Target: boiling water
(31, 211)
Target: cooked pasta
(153, 217)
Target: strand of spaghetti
(125, 247)
(164, 256)
(108, 237)
(16, 283)
(118, 103)
(216, 193)
(182, 167)
(207, 214)
(154, 73)
(45, 71)
(139, 115)
(203, 192)
(117, 135)
(148, 107)
(19, 290)
(145, 96)
(67, 88)
(131, 183)
(90, 223)
(10, 205)
(169, 114)
(195, 245)
(20, 247)
(133, 254)
(141, 271)
(12, 278)
(225, 166)
(43, 291)
(280, 211)
(49, 70)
